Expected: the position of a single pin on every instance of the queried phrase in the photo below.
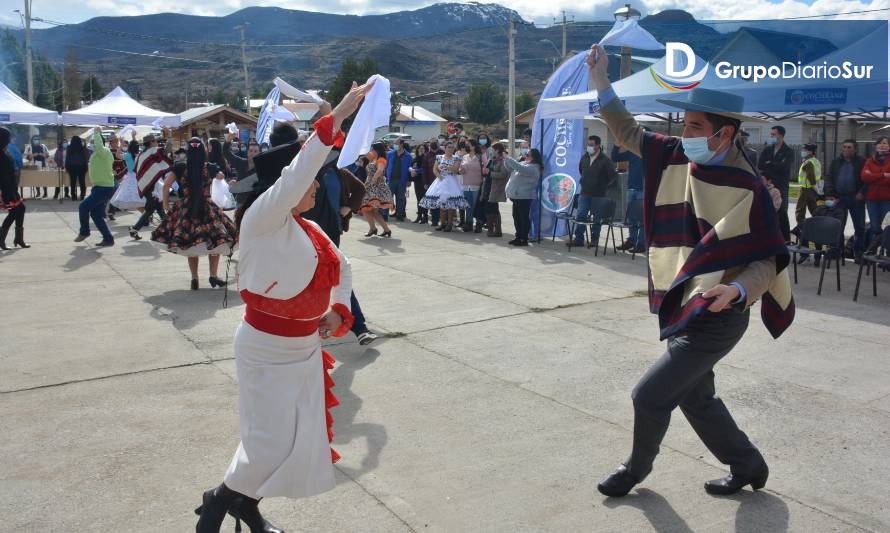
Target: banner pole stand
(540, 182)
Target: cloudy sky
(536, 10)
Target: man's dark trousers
(152, 205)
(684, 377)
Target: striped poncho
(702, 223)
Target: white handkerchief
(231, 127)
(373, 114)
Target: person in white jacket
(296, 286)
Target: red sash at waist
(283, 327)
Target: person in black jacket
(843, 184)
(775, 162)
(9, 195)
(76, 158)
(597, 175)
(243, 166)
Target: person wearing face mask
(876, 176)
(714, 248)
(775, 161)
(597, 175)
(810, 179)
(843, 184)
(59, 160)
(829, 208)
(37, 153)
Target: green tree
(485, 103)
(92, 90)
(350, 70)
(524, 102)
(47, 82)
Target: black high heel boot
(194, 284)
(20, 237)
(215, 504)
(4, 231)
(247, 510)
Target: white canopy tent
(640, 91)
(14, 109)
(118, 109)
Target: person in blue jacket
(635, 241)
(398, 174)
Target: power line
(606, 24)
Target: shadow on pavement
(141, 249)
(350, 404)
(758, 512)
(655, 508)
(80, 257)
(187, 308)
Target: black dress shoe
(216, 282)
(215, 504)
(247, 510)
(732, 484)
(618, 484)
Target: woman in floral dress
(377, 195)
(195, 226)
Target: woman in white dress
(446, 193)
(296, 286)
(127, 194)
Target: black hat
(810, 147)
(268, 166)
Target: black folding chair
(873, 261)
(602, 210)
(825, 232)
(565, 215)
(633, 218)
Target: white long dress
(282, 381)
(127, 194)
(446, 191)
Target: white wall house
(421, 124)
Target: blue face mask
(483, 142)
(770, 141)
(829, 203)
(696, 148)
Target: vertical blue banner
(561, 142)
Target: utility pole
(511, 85)
(244, 64)
(564, 34)
(626, 13)
(28, 66)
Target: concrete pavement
(499, 399)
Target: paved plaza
(497, 400)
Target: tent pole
(837, 119)
(540, 197)
(60, 138)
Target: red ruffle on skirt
(329, 399)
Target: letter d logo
(670, 56)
